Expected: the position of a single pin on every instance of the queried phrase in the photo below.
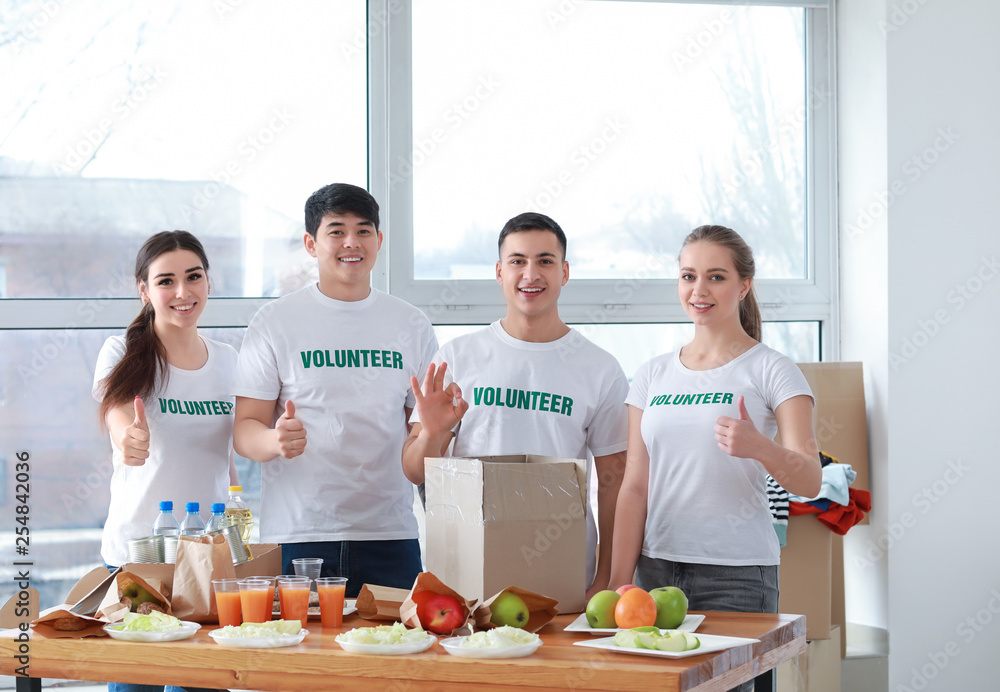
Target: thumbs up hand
(134, 440)
(738, 437)
(290, 433)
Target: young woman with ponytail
(166, 397)
(692, 510)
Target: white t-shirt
(346, 366)
(559, 398)
(705, 506)
(190, 443)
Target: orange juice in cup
(227, 600)
(256, 599)
(293, 592)
(331, 600)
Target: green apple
(671, 606)
(626, 638)
(647, 640)
(692, 642)
(601, 610)
(674, 643)
(509, 609)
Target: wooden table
(320, 664)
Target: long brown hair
(144, 366)
(742, 255)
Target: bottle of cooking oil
(239, 514)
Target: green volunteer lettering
(196, 408)
(376, 359)
(523, 399)
(477, 395)
(543, 404)
(716, 397)
(567, 407)
(510, 398)
(489, 396)
(353, 359)
(200, 407)
(397, 360)
(163, 406)
(526, 400)
(534, 400)
(727, 398)
(364, 355)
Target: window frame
(633, 300)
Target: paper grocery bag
(200, 560)
(428, 581)
(113, 610)
(541, 609)
(380, 602)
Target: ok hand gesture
(440, 408)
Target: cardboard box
(500, 521)
(812, 562)
(266, 562)
(816, 670)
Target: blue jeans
(386, 563)
(743, 589)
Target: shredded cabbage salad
(154, 622)
(261, 630)
(383, 634)
(499, 638)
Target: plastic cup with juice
(293, 593)
(331, 600)
(227, 600)
(256, 599)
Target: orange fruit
(635, 608)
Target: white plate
(710, 643)
(453, 645)
(690, 624)
(350, 606)
(187, 629)
(259, 642)
(387, 649)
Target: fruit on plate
(671, 606)
(625, 587)
(635, 608)
(440, 613)
(655, 639)
(601, 609)
(509, 609)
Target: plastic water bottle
(192, 524)
(219, 519)
(166, 523)
(239, 513)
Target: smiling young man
(531, 384)
(323, 397)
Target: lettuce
(384, 635)
(154, 622)
(499, 638)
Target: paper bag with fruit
(516, 607)
(130, 593)
(199, 561)
(435, 607)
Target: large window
(629, 122)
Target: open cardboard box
(517, 520)
(812, 562)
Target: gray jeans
(743, 589)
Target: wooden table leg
(764, 682)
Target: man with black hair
(323, 398)
(536, 385)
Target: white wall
(943, 147)
(864, 286)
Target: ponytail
(750, 318)
(141, 369)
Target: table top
(318, 663)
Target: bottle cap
(167, 506)
(218, 507)
(191, 506)
(236, 488)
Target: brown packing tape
(380, 602)
(428, 581)
(541, 609)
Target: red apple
(440, 613)
(624, 587)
